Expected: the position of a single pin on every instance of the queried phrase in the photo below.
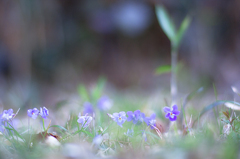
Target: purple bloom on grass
(88, 108)
(33, 113)
(171, 112)
(97, 140)
(44, 112)
(141, 117)
(104, 103)
(84, 120)
(151, 120)
(135, 116)
(119, 118)
(7, 115)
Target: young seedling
(175, 38)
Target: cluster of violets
(33, 113)
(7, 115)
(137, 117)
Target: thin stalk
(43, 124)
(78, 129)
(174, 57)
(29, 127)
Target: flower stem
(43, 124)
(174, 56)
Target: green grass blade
(82, 91)
(97, 91)
(88, 133)
(15, 131)
(165, 22)
(184, 26)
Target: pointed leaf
(165, 22)
(182, 30)
(82, 91)
(163, 69)
(226, 114)
(87, 133)
(15, 131)
(97, 91)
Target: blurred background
(48, 47)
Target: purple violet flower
(88, 108)
(43, 112)
(141, 117)
(84, 120)
(171, 112)
(136, 116)
(119, 118)
(104, 103)
(151, 120)
(33, 113)
(97, 140)
(7, 115)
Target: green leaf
(167, 68)
(15, 132)
(163, 69)
(87, 133)
(165, 22)
(82, 91)
(97, 91)
(184, 26)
